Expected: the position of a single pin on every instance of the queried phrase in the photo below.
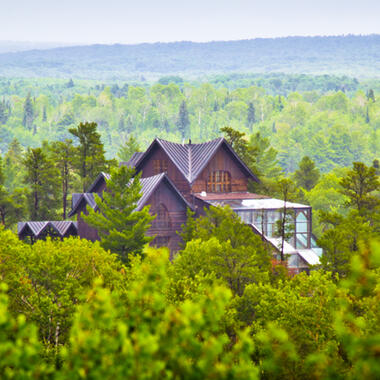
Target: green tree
(63, 153)
(307, 175)
(28, 116)
(251, 116)
(183, 121)
(359, 185)
(47, 280)
(158, 340)
(90, 159)
(221, 243)
(129, 147)
(43, 185)
(122, 228)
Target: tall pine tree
(122, 229)
(183, 121)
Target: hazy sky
(125, 21)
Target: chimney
(189, 141)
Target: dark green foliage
(90, 158)
(121, 228)
(43, 185)
(359, 186)
(28, 118)
(183, 121)
(63, 154)
(307, 174)
(251, 116)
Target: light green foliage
(47, 280)
(129, 147)
(147, 338)
(221, 243)
(19, 345)
(121, 228)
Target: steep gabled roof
(78, 199)
(191, 159)
(37, 228)
(148, 186)
(101, 177)
(134, 160)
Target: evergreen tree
(307, 175)
(367, 116)
(128, 148)
(44, 115)
(183, 121)
(359, 186)
(90, 159)
(371, 95)
(3, 113)
(63, 153)
(122, 230)
(28, 117)
(251, 117)
(42, 180)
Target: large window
(160, 166)
(162, 219)
(219, 181)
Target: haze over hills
(350, 55)
(17, 46)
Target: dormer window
(219, 181)
(160, 166)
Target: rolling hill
(349, 55)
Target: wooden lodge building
(175, 177)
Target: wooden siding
(84, 230)
(164, 195)
(173, 173)
(222, 161)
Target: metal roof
(309, 256)
(228, 196)
(148, 186)
(258, 203)
(78, 198)
(191, 159)
(36, 228)
(101, 176)
(134, 160)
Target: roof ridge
(190, 162)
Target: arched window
(162, 219)
(219, 181)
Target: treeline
(221, 309)
(333, 129)
(349, 55)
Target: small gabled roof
(134, 160)
(102, 176)
(78, 199)
(191, 159)
(37, 228)
(148, 186)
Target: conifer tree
(63, 153)
(307, 174)
(122, 229)
(28, 116)
(90, 159)
(42, 180)
(251, 116)
(183, 119)
(128, 148)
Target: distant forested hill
(350, 55)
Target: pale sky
(126, 21)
